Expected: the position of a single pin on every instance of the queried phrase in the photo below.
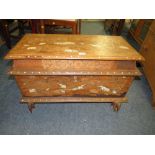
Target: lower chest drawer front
(73, 85)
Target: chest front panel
(74, 85)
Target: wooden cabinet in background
(148, 51)
(56, 26)
(114, 26)
(139, 29)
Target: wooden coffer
(73, 68)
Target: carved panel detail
(74, 85)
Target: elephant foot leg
(116, 106)
(31, 106)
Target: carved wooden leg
(31, 106)
(116, 106)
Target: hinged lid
(53, 46)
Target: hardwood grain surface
(51, 46)
(148, 51)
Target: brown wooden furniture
(115, 26)
(148, 51)
(50, 25)
(139, 29)
(6, 31)
(73, 68)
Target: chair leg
(33, 25)
(79, 26)
(42, 26)
(21, 27)
(74, 29)
(5, 32)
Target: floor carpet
(135, 117)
